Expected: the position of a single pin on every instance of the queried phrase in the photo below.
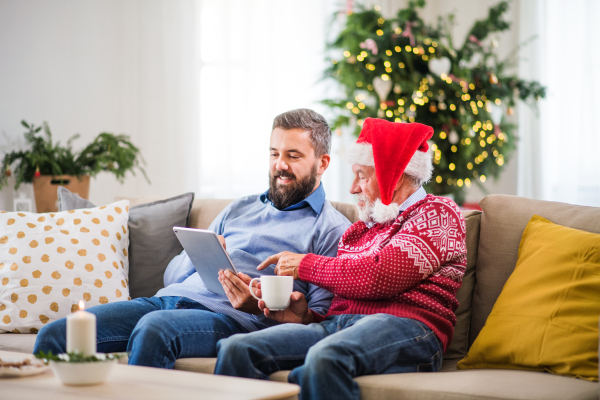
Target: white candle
(81, 332)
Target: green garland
(77, 357)
(398, 56)
(108, 152)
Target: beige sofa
(493, 238)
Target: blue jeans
(154, 331)
(325, 357)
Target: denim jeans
(154, 331)
(325, 357)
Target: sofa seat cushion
(19, 342)
(281, 376)
(476, 384)
(204, 365)
(207, 366)
(449, 384)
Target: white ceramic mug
(276, 291)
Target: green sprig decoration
(77, 357)
(463, 93)
(108, 152)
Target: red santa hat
(393, 149)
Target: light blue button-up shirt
(254, 230)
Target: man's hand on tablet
(238, 292)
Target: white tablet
(206, 253)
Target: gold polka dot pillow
(49, 262)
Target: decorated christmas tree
(403, 70)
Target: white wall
(62, 62)
(100, 66)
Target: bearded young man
(185, 319)
(394, 280)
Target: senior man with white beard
(394, 280)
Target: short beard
(284, 196)
(365, 213)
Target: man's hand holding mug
(278, 302)
(297, 312)
(286, 265)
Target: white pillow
(49, 262)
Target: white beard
(365, 212)
(377, 212)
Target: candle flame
(81, 305)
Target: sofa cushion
(503, 221)
(51, 262)
(476, 384)
(449, 384)
(460, 340)
(21, 343)
(68, 200)
(207, 366)
(152, 242)
(282, 376)
(204, 365)
(546, 318)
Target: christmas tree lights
(404, 70)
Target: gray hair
(416, 182)
(308, 120)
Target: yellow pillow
(546, 318)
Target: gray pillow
(68, 200)
(152, 243)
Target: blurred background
(196, 85)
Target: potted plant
(48, 165)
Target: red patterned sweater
(410, 268)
